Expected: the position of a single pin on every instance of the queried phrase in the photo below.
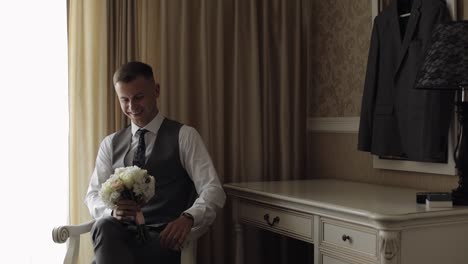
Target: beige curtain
(234, 69)
(88, 101)
(101, 38)
(237, 71)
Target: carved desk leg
(239, 234)
(390, 245)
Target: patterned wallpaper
(335, 156)
(341, 35)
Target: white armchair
(72, 233)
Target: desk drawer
(360, 239)
(283, 221)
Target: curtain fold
(122, 47)
(190, 67)
(87, 101)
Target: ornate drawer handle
(276, 220)
(346, 237)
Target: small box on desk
(439, 200)
(422, 196)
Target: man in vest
(188, 190)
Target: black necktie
(139, 158)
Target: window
(34, 134)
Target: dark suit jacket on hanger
(396, 119)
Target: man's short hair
(132, 70)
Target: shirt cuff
(197, 214)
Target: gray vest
(175, 191)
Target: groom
(188, 190)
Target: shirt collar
(153, 126)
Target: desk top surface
(372, 201)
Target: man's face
(138, 99)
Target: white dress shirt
(194, 159)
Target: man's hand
(126, 210)
(176, 232)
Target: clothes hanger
(405, 6)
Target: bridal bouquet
(130, 183)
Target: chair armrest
(196, 232)
(61, 234)
(189, 248)
(71, 233)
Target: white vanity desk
(352, 222)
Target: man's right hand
(126, 210)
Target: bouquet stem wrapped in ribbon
(129, 183)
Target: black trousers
(115, 243)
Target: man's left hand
(176, 232)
